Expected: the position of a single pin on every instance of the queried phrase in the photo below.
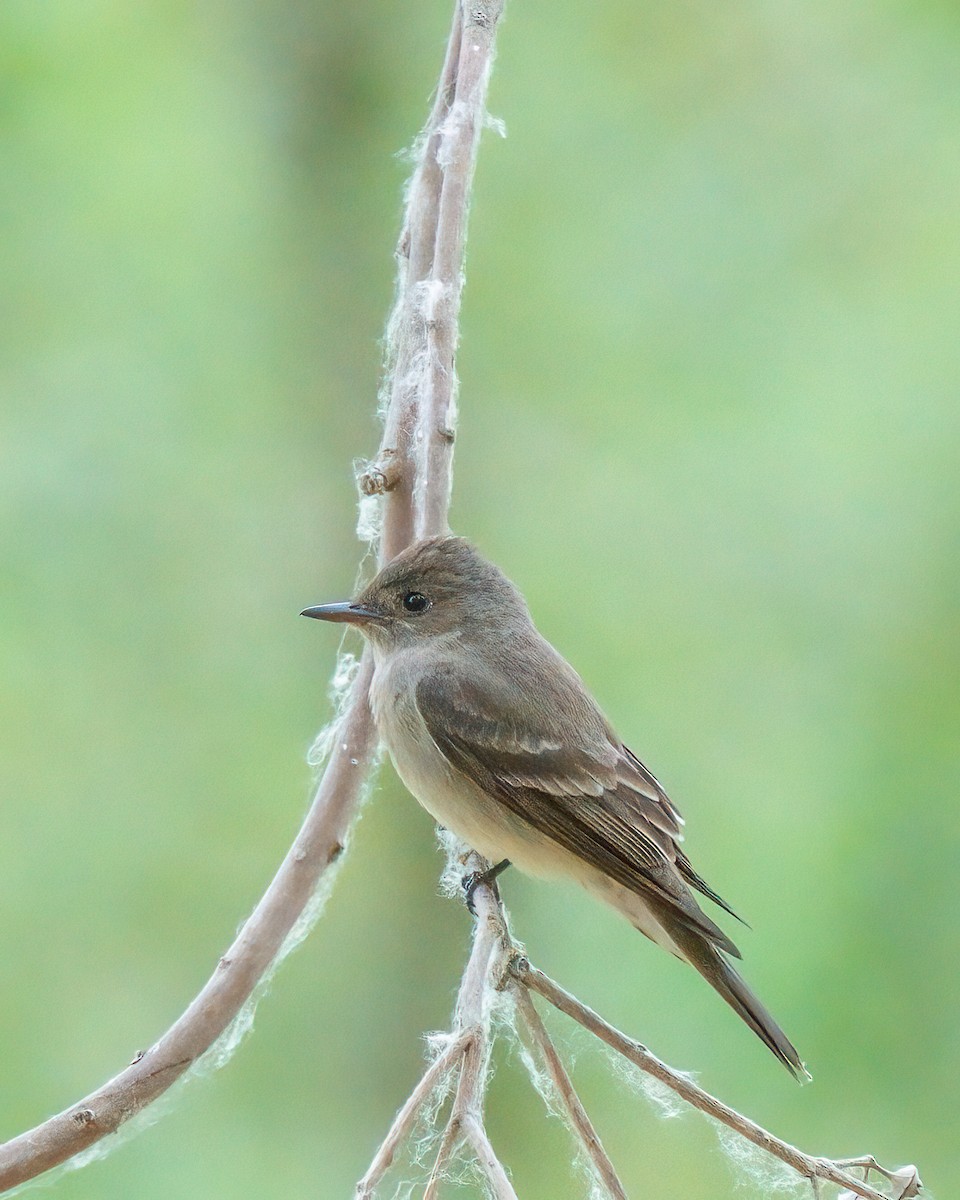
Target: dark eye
(415, 602)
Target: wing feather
(578, 786)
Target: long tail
(715, 969)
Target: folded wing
(571, 779)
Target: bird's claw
(470, 883)
(476, 879)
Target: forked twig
(433, 1080)
(806, 1165)
(476, 1001)
(510, 971)
(468, 1051)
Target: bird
(499, 739)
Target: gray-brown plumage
(498, 738)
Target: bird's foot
(477, 878)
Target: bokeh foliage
(710, 424)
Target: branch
(421, 385)
(261, 940)
(804, 1164)
(412, 471)
(508, 970)
(576, 1114)
(434, 1080)
(469, 1050)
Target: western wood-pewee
(498, 738)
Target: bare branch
(476, 999)
(433, 1079)
(496, 965)
(406, 328)
(804, 1164)
(489, 1163)
(456, 154)
(452, 1136)
(318, 844)
(579, 1121)
(905, 1180)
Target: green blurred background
(710, 424)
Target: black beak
(352, 614)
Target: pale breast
(460, 805)
(483, 822)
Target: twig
(475, 1000)
(804, 1164)
(498, 964)
(448, 1145)
(567, 1094)
(476, 997)
(423, 329)
(905, 1179)
(456, 152)
(432, 1080)
(406, 349)
(490, 1164)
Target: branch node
(520, 966)
(378, 475)
(510, 967)
(485, 16)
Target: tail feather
(733, 988)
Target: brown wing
(570, 779)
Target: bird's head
(438, 586)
